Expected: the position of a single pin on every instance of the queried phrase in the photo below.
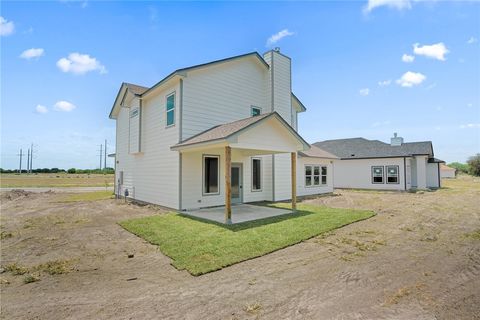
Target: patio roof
(229, 131)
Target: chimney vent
(396, 141)
(277, 49)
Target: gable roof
(316, 152)
(360, 148)
(136, 89)
(183, 70)
(224, 131)
(141, 90)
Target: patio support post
(294, 181)
(228, 186)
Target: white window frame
(373, 174)
(396, 175)
(312, 175)
(323, 175)
(172, 110)
(203, 174)
(255, 107)
(260, 175)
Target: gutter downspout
(405, 173)
(439, 180)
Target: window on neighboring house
(256, 111)
(210, 174)
(324, 175)
(392, 174)
(312, 176)
(256, 174)
(170, 109)
(377, 174)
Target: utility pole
(31, 158)
(28, 161)
(101, 153)
(21, 154)
(105, 157)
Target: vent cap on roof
(396, 141)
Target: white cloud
(32, 53)
(472, 40)
(384, 83)
(64, 106)
(6, 27)
(80, 64)
(410, 79)
(364, 92)
(469, 105)
(395, 4)
(434, 51)
(278, 36)
(41, 109)
(470, 126)
(381, 123)
(407, 58)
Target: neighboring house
(228, 126)
(373, 164)
(447, 172)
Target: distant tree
(474, 165)
(461, 167)
(72, 170)
(54, 170)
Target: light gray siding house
(228, 126)
(373, 164)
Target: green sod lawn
(200, 246)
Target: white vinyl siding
(150, 176)
(358, 173)
(302, 188)
(222, 93)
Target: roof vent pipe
(277, 49)
(396, 141)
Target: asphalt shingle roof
(316, 152)
(223, 131)
(358, 148)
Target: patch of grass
(88, 196)
(5, 235)
(8, 180)
(200, 246)
(474, 235)
(29, 278)
(253, 308)
(55, 267)
(15, 269)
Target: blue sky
(347, 58)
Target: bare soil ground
(419, 258)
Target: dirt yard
(419, 258)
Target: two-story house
(217, 133)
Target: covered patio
(239, 213)
(228, 148)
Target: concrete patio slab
(240, 213)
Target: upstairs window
(377, 174)
(256, 111)
(170, 110)
(392, 174)
(256, 174)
